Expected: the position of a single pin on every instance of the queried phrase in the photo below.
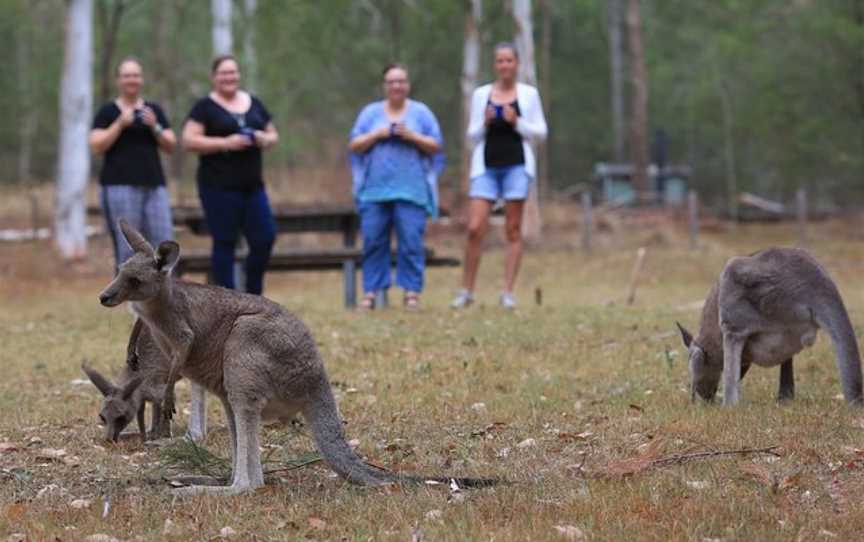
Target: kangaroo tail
(833, 318)
(326, 425)
(323, 418)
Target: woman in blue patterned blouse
(395, 160)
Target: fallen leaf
(698, 484)
(227, 532)
(570, 532)
(16, 537)
(478, 407)
(434, 515)
(99, 537)
(317, 523)
(80, 504)
(527, 443)
(52, 454)
(7, 447)
(169, 528)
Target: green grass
(590, 379)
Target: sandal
(367, 303)
(411, 301)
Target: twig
(682, 458)
(294, 466)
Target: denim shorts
(508, 183)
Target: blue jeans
(377, 220)
(228, 213)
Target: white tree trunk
(614, 11)
(76, 104)
(250, 59)
(524, 40)
(470, 73)
(223, 40)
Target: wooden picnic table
(330, 218)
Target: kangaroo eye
(134, 283)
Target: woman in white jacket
(506, 120)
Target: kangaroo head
(145, 274)
(705, 372)
(118, 404)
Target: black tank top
(503, 142)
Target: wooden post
(634, 277)
(801, 207)
(693, 214)
(587, 221)
(34, 215)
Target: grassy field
(576, 401)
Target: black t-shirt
(230, 170)
(503, 143)
(133, 159)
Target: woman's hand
(509, 114)
(148, 117)
(127, 117)
(490, 114)
(236, 142)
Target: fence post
(801, 208)
(693, 215)
(587, 221)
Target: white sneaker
(463, 299)
(507, 300)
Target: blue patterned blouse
(393, 169)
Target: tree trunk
(223, 39)
(616, 76)
(250, 59)
(546, 92)
(524, 40)
(76, 105)
(470, 72)
(109, 26)
(638, 102)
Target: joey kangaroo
(259, 359)
(143, 380)
(764, 309)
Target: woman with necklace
(396, 159)
(228, 129)
(506, 119)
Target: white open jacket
(531, 125)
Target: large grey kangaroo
(764, 309)
(259, 359)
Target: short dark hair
(393, 66)
(219, 60)
(126, 59)
(506, 45)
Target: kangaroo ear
(102, 384)
(130, 388)
(685, 335)
(135, 240)
(167, 255)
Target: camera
(249, 133)
(138, 115)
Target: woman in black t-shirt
(228, 129)
(130, 131)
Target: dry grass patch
(550, 397)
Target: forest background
(767, 94)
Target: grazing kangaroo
(143, 380)
(260, 360)
(764, 309)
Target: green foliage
(793, 73)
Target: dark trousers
(228, 214)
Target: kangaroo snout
(108, 299)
